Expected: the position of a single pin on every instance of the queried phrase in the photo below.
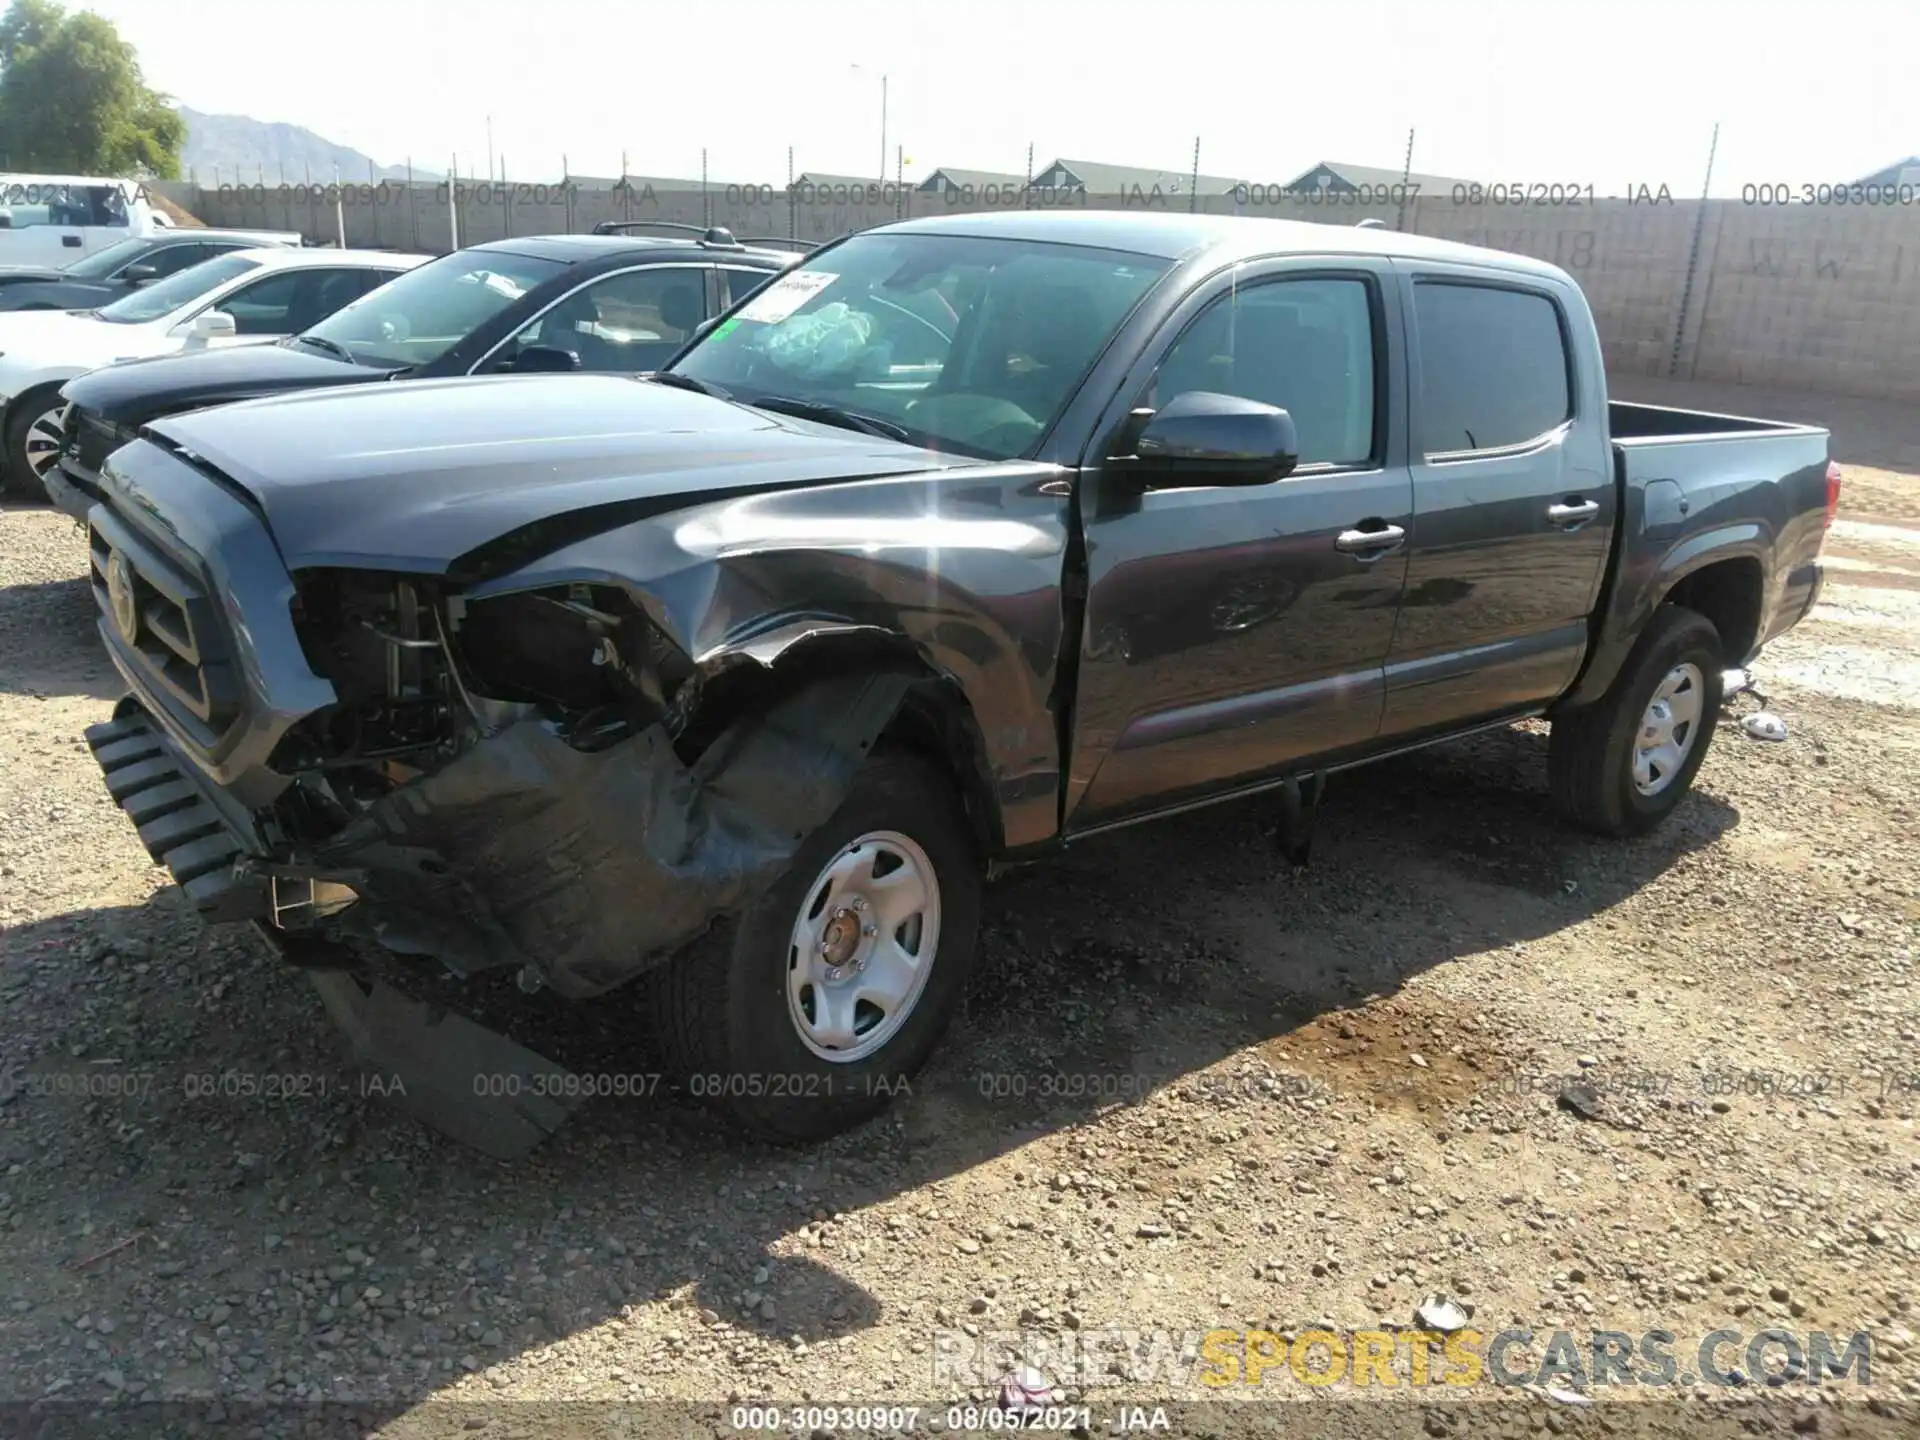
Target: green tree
(73, 100)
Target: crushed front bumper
(466, 1081)
(186, 825)
(582, 869)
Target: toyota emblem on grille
(120, 594)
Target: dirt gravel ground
(1191, 1091)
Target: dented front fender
(963, 569)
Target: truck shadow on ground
(1125, 966)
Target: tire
(721, 1010)
(21, 481)
(1594, 751)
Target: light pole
(883, 118)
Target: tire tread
(1589, 745)
(689, 1003)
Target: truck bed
(1629, 423)
(1751, 492)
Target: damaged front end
(537, 780)
(541, 779)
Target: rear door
(1513, 498)
(1234, 633)
(45, 224)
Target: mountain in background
(236, 149)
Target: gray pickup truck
(963, 540)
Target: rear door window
(1494, 369)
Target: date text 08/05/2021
(957, 1419)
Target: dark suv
(605, 302)
(104, 276)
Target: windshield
(968, 343)
(102, 263)
(163, 297)
(417, 318)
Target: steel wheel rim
(45, 439)
(864, 943)
(1668, 728)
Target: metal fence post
(1693, 259)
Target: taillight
(1833, 492)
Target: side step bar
(178, 824)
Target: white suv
(246, 297)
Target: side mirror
(139, 273)
(212, 324)
(1203, 438)
(699, 331)
(543, 360)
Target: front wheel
(34, 437)
(830, 993)
(1621, 765)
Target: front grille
(89, 439)
(163, 619)
(85, 443)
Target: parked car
(623, 303)
(104, 276)
(242, 298)
(51, 219)
(732, 680)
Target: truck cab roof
(1224, 238)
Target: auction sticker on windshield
(786, 295)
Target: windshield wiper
(319, 343)
(830, 415)
(687, 382)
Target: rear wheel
(821, 1003)
(33, 442)
(1623, 764)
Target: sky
(1614, 96)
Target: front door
(1513, 501)
(1236, 633)
(622, 323)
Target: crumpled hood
(132, 394)
(415, 475)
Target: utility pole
(1406, 176)
(883, 119)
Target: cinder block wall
(1823, 298)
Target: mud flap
(460, 1078)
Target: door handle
(1370, 545)
(1572, 512)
